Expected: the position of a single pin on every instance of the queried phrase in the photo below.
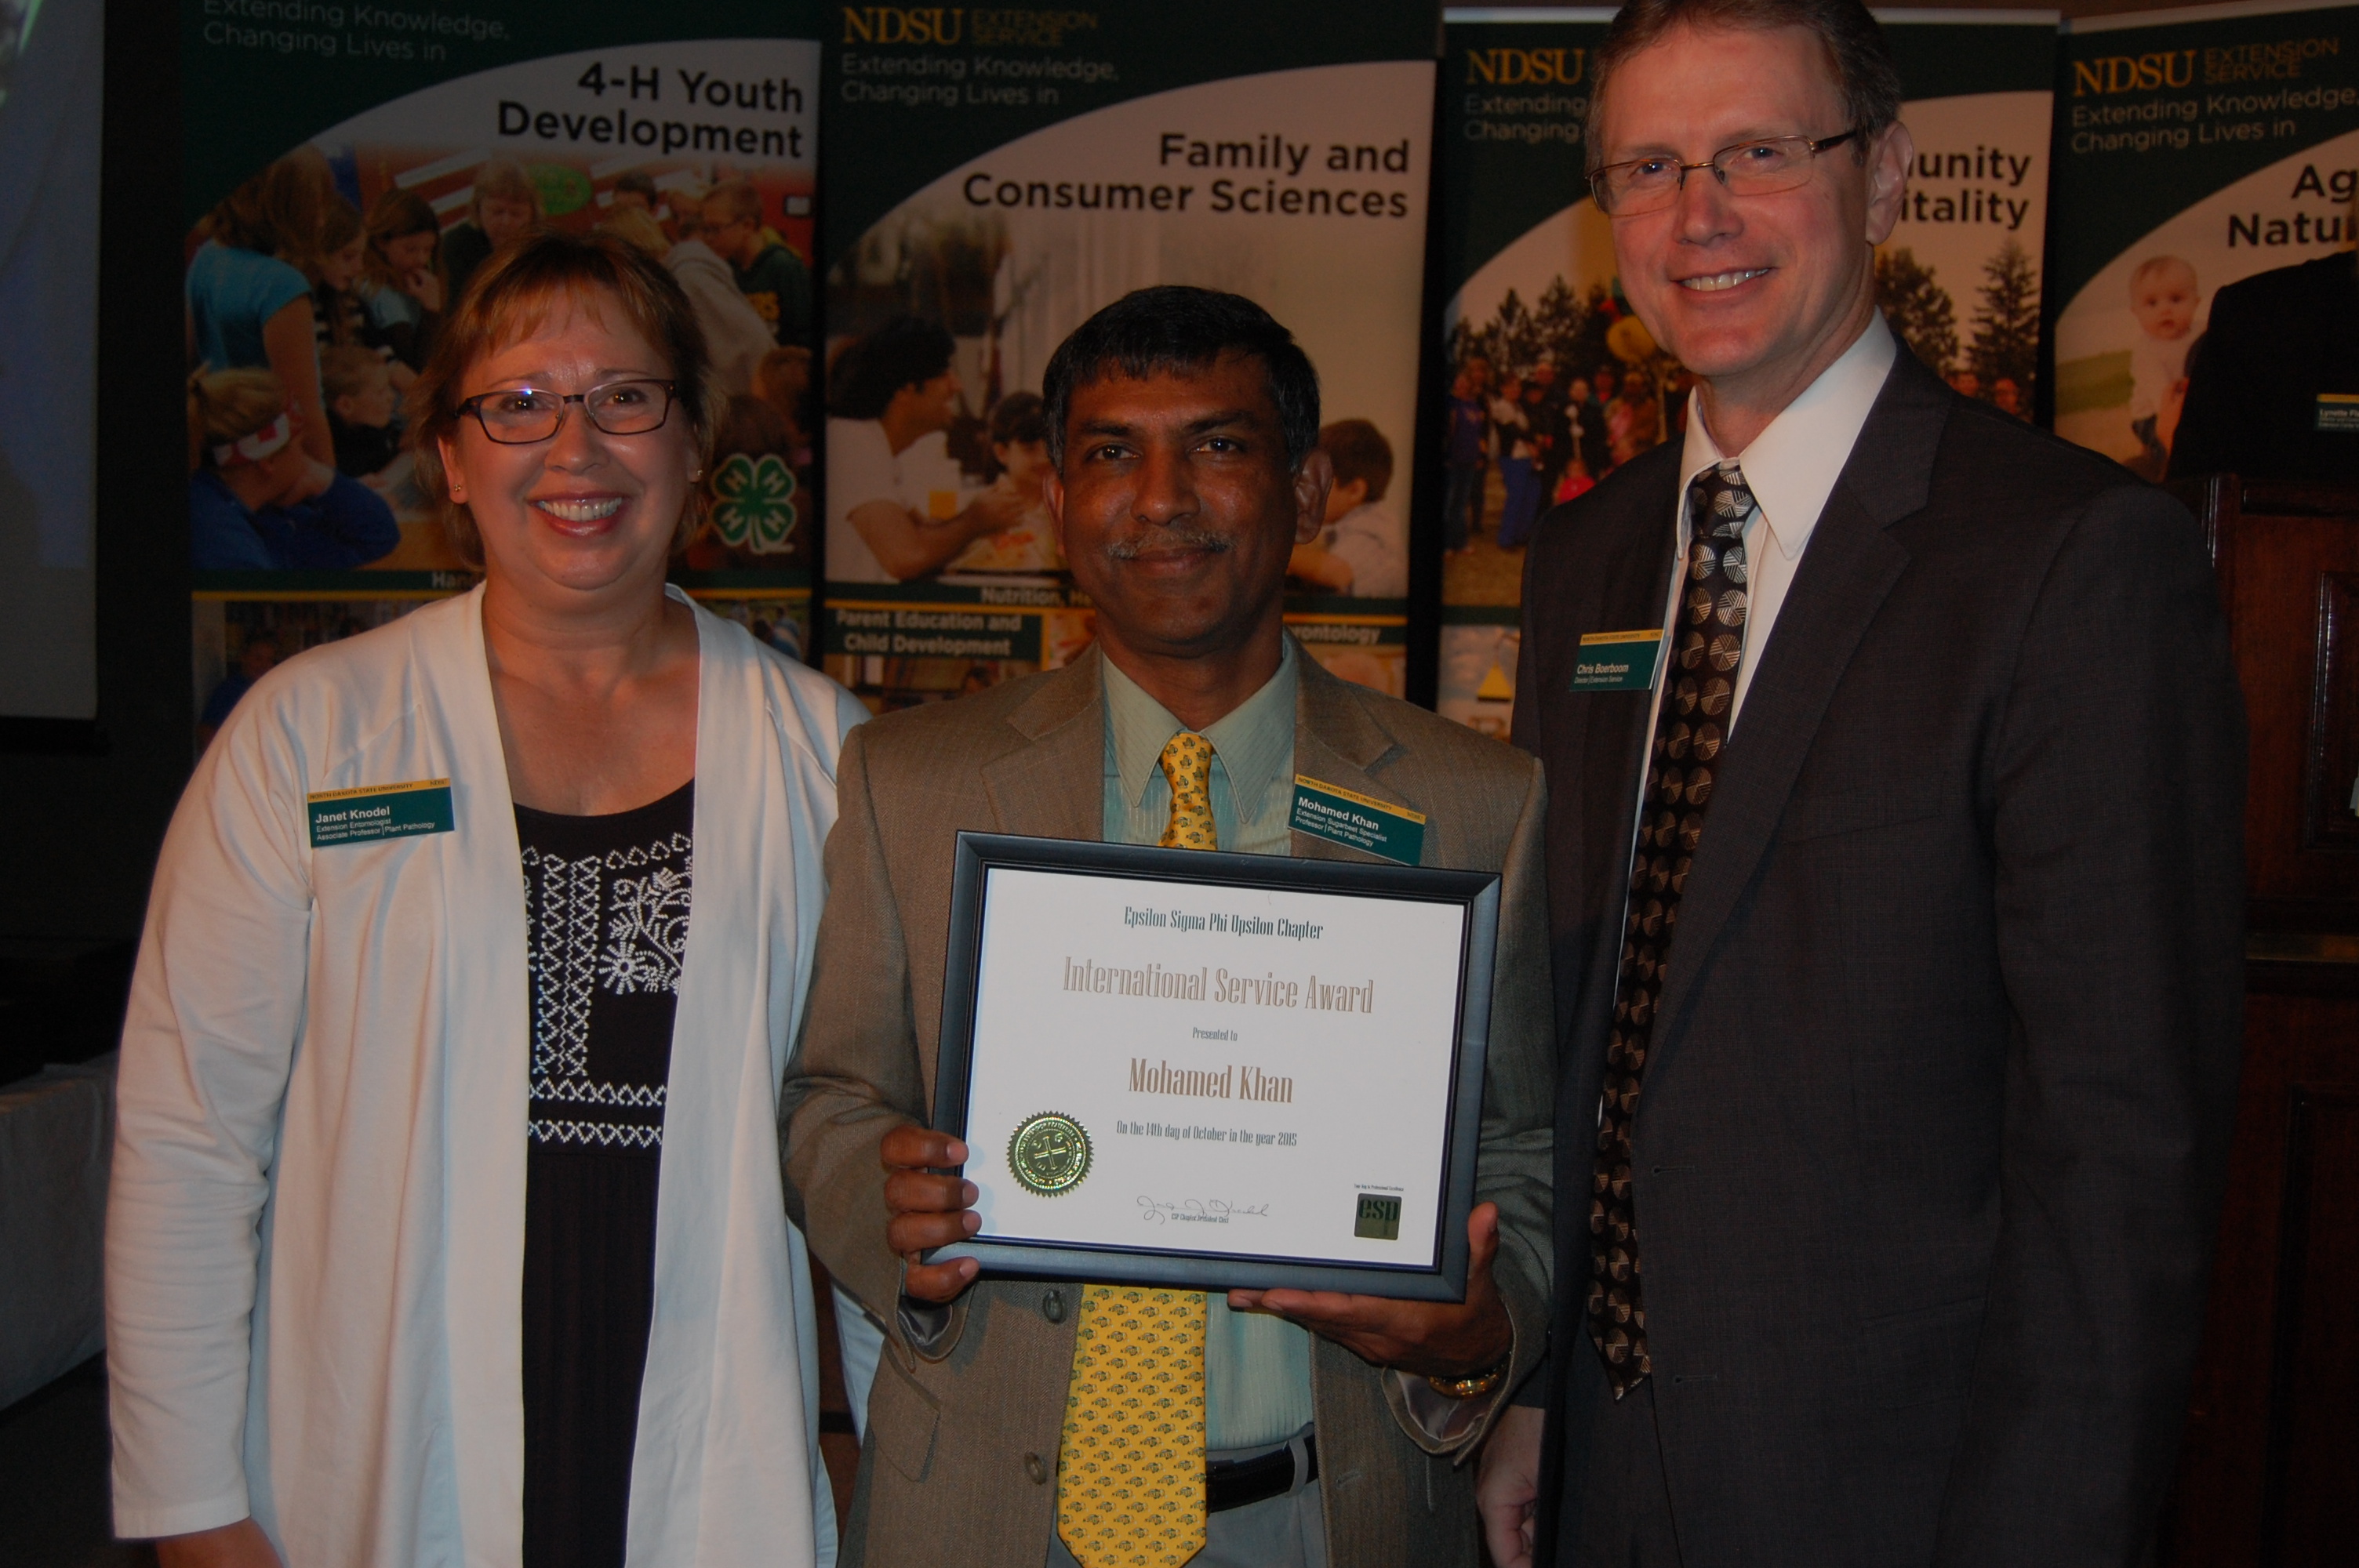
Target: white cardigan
(315, 1236)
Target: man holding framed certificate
(1310, 1063)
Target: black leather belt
(1235, 1483)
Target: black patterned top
(606, 906)
(606, 899)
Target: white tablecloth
(57, 1129)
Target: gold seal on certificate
(1049, 1155)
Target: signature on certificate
(1197, 1211)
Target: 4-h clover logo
(753, 502)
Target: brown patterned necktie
(1690, 731)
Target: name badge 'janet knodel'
(372, 812)
(1341, 817)
(1617, 661)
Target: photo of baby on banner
(316, 285)
(2211, 322)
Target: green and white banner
(1552, 383)
(995, 177)
(348, 167)
(1548, 374)
(2195, 148)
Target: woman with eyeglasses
(446, 1221)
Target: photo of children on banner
(331, 271)
(1545, 401)
(259, 500)
(1019, 455)
(737, 334)
(364, 415)
(506, 205)
(1465, 452)
(636, 191)
(401, 284)
(767, 271)
(757, 485)
(900, 506)
(334, 268)
(636, 226)
(1362, 551)
(250, 306)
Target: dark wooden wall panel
(2269, 1473)
(2312, 1506)
(2294, 1046)
(2288, 558)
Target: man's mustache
(1171, 541)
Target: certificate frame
(1440, 1277)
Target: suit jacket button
(1033, 1468)
(1052, 1306)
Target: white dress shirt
(1791, 468)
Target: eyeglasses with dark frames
(521, 416)
(1762, 167)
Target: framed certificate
(1215, 1071)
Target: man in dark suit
(1895, 766)
(2273, 384)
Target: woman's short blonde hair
(511, 296)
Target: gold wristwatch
(1469, 1388)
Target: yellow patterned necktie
(1187, 763)
(1130, 1473)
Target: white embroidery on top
(647, 938)
(644, 918)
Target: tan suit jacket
(960, 1461)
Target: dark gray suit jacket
(1933, 1133)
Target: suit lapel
(1336, 743)
(1850, 564)
(1055, 787)
(1614, 739)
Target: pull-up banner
(993, 178)
(1551, 382)
(1538, 340)
(2198, 150)
(348, 171)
